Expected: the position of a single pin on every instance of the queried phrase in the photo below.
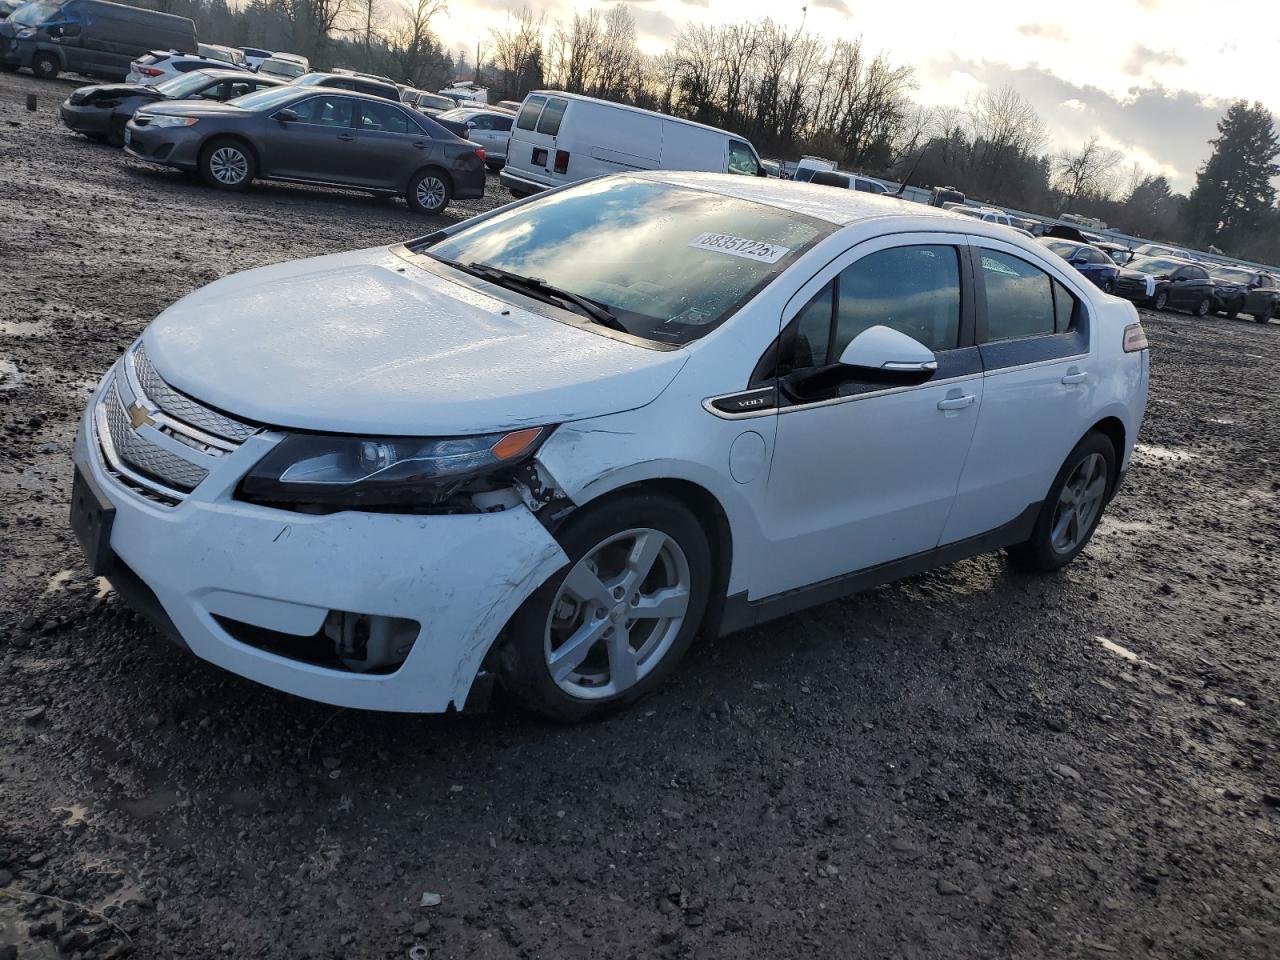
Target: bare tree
(517, 53)
(415, 49)
(1085, 172)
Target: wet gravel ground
(972, 763)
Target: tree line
(793, 92)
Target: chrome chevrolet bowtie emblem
(138, 415)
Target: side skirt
(741, 613)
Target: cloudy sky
(1151, 77)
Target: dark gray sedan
(313, 135)
(102, 110)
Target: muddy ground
(955, 766)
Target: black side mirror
(286, 115)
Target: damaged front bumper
(262, 592)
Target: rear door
(320, 144)
(534, 141)
(391, 145)
(1188, 286)
(1038, 393)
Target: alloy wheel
(617, 614)
(228, 166)
(1079, 504)
(431, 193)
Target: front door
(865, 473)
(320, 144)
(1038, 393)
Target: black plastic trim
(142, 600)
(741, 613)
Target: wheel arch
(238, 138)
(1113, 429)
(418, 171)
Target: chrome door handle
(346, 136)
(957, 403)
(1075, 376)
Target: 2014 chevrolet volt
(549, 445)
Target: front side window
(914, 290)
(1019, 298)
(670, 263)
(742, 159)
(326, 111)
(35, 14)
(481, 122)
(552, 114)
(502, 123)
(383, 118)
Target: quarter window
(1019, 298)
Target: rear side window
(502, 123)
(186, 66)
(552, 114)
(383, 118)
(529, 113)
(1019, 298)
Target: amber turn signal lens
(514, 444)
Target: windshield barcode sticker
(740, 247)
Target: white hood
(365, 342)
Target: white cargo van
(561, 138)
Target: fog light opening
(366, 643)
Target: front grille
(182, 407)
(144, 456)
(138, 458)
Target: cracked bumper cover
(461, 577)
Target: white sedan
(551, 444)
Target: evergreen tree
(1233, 191)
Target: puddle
(1120, 651)
(77, 814)
(1155, 454)
(58, 581)
(24, 328)
(9, 375)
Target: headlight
(26, 34)
(155, 120)
(380, 471)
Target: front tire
(227, 164)
(115, 135)
(1071, 511)
(429, 192)
(610, 626)
(1161, 300)
(1202, 308)
(45, 66)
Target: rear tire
(1071, 511)
(429, 192)
(583, 651)
(227, 164)
(45, 66)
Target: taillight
(480, 153)
(1135, 338)
(562, 161)
(150, 72)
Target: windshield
(436, 102)
(282, 68)
(264, 99)
(1154, 265)
(181, 87)
(34, 14)
(1062, 248)
(1232, 276)
(669, 262)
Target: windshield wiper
(539, 287)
